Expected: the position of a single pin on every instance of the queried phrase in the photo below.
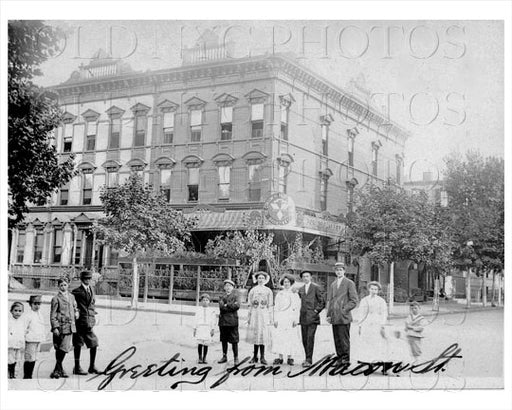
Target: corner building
(260, 138)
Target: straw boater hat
(34, 298)
(340, 264)
(289, 277)
(374, 283)
(230, 282)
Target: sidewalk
(400, 310)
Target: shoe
(55, 374)
(253, 360)
(223, 360)
(63, 374)
(200, 361)
(290, 362)
(235, 361)
(79, 371)
(93, 370)
(306, 363)
(278, 361)
(263, 361)
(204, 361)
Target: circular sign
(278, 209)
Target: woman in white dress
(259, 317)
(373, 313)
(285, 337)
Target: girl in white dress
(259, 317)
(36, 333)
(204, 325)
(372, 334)
(16, 339)
(285, 337)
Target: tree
(33, 165)
(138, 221)
(476, 208)
(391, 225)
(248, 246)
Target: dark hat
(305, 271)
(205, 295)
(34, 298)
(86, 274)
(374, 283)
(62, 279)
(230, 282)
(341, 264)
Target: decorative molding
(136, 163)
(115, 112)
(376, 144)
(164, 162)
(111, 164)
(90, 115)
(286, 100)
(192, 161)
(140, 109)
(285, 159)
(326, 119)
(353, 132)
(254, 157)
(223, 159)
(226, 100)
(326, 173)
(86, 167)
(68, 118)
(167, 106)
(257, 97)
(195, 103)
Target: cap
(230, 282)
(374, 283)
(341, 264)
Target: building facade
(227, 140)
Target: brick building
(225, 139)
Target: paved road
(157, 337)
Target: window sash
(38, 246)
(257, 129)
(115, 132)
(68, 144)
(168, 135)
(193, 176)
(257, 112)
(91, 143)
(224, 175)
(196, 117)
(195, 134)
(226, 115)
(87, 196)
(64, 196)
(68, 130)
(168, 121)
(112, 178)
(226, 131)
(57, 245)
(92, 128)
(165, 177)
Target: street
(158, 337)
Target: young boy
(35, 334)
(414, 326)
(228, 321)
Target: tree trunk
(135, 283)
(484, 288)
(391, 287)
(468, 288)
(493, 289)
(435, 301)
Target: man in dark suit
(341, 299)
(312, 299)
(85, 301)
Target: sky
(441, 80)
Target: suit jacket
(62, 313)
(86, 307)
(229, 305)
(341, 301)
(312, 303)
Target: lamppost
(469, 245)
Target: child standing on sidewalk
(204, 327)
(16, 337)
(63, 313)
(35, 334)
(414, 326)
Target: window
(325, 139)
(224, 180)
(284, 121)
(255, 182)
(112, 177)
(168, 127)
(323, 192)
(351, 151)
(195, 125)
(257, 120)
(113, 257)
(140, 130)
(90, 144)
(38, 246)
(78, 249)
(68, 138)
(165, 183)
(115, 133)
(226, 123)
(64, 195)
(283, 177)
(193, 184)
(375, 159)
(398, 171)
(57, 246)
(87, 187)
(20, 249)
